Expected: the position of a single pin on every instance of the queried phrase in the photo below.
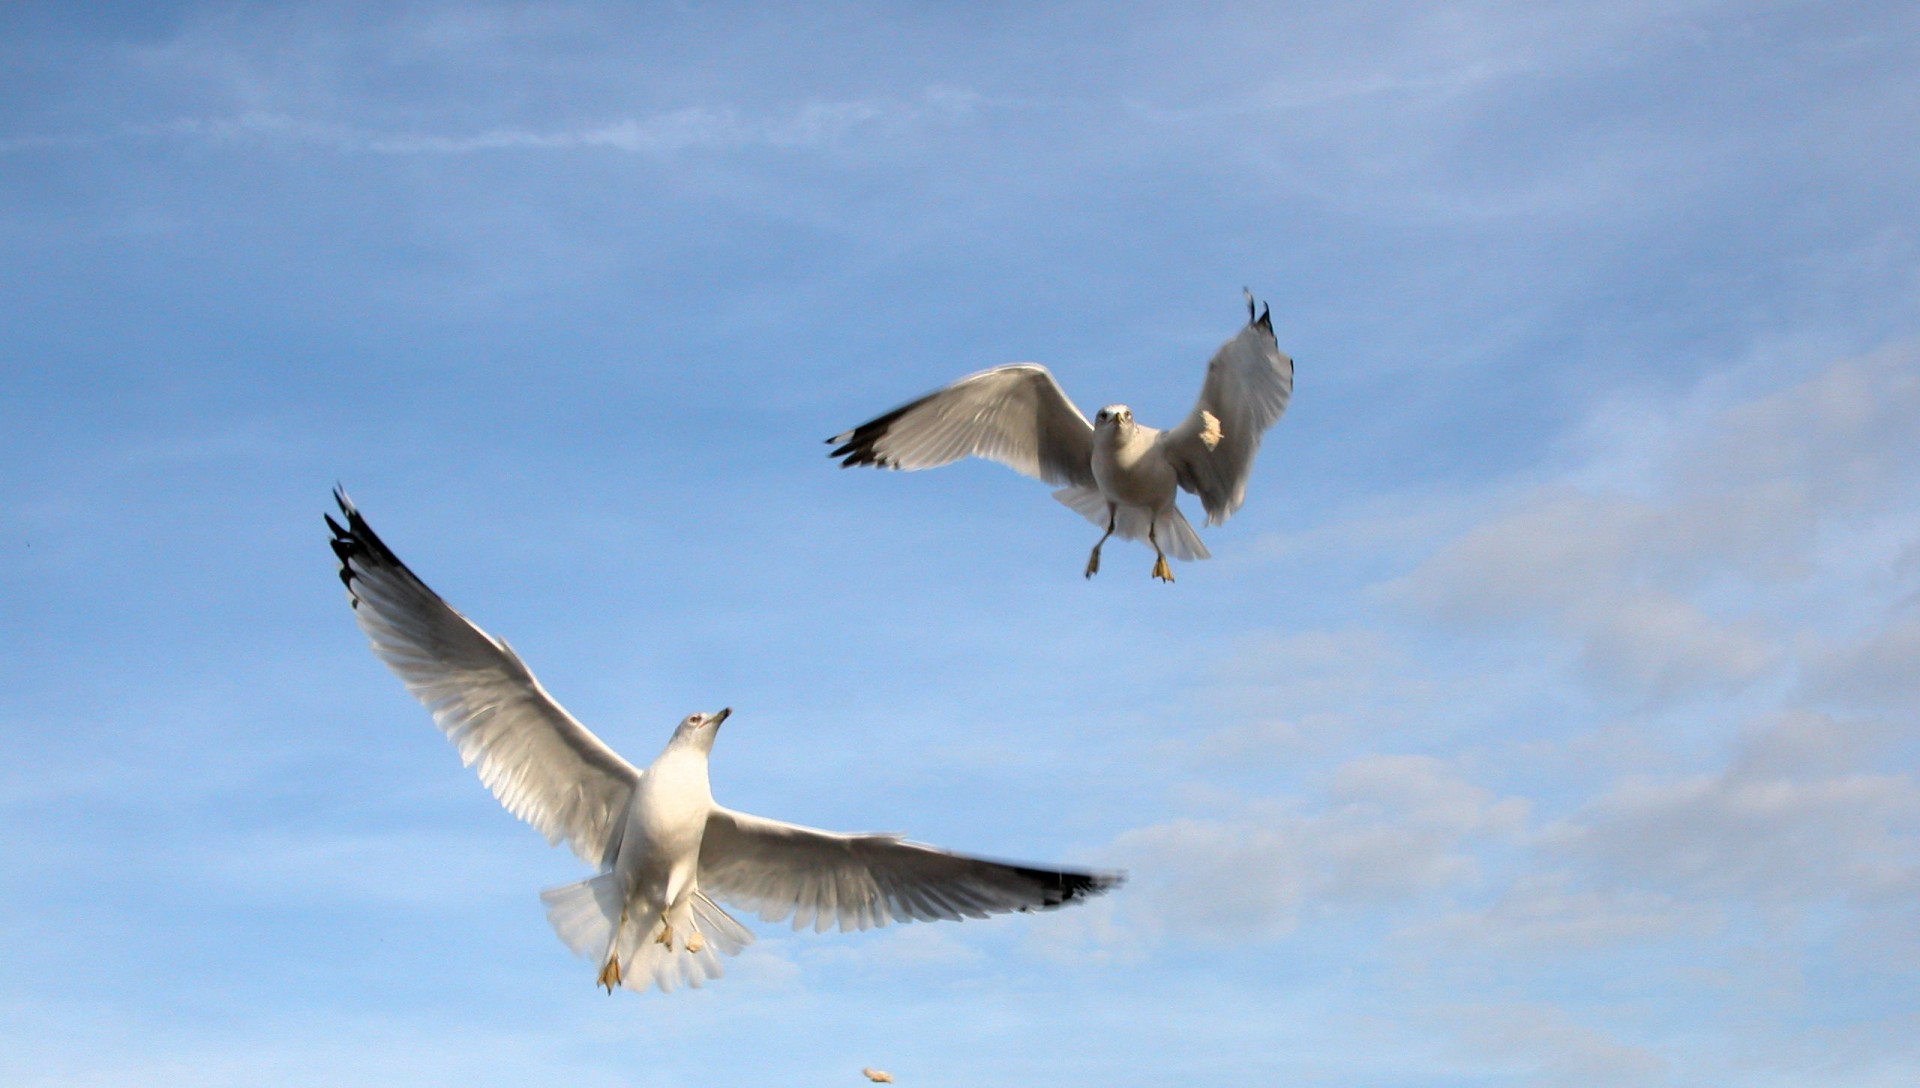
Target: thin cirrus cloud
(694, 128)
(1652, 575)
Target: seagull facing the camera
(1118, 473)
(664, 847)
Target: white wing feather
(1015, 414)
(542, 764)
(1249, 383)
(822, 878)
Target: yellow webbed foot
(695, 942)
(1093, 563)
(610, 974)
(1161, 570)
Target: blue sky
(1547, 717)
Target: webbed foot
(1161, 570)
(610, 974)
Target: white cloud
(809, 124)
(1385, 830)
(1546, 1047)
(1878, 669)
(1595, 569)
(1283, 694)
(1676, 579)
(1543, 914)
(1752, 837)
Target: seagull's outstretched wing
(1015, 414)
(1249, 383)
(544, 766)
(859, 881)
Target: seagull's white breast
(1130, 468)
(668, 815)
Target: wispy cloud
(1382, 831)
(1554, 1048)
(1657, 579)
(811, 124)
(1755, 837)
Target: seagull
(1118, 473)
(664, 848)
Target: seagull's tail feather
(645, 962)
(1087, 502)
(719, 928)
(585, 916)
(1176, 537)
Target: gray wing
(1249, 382)
(1015, 414)
(860, 881)
(544, 766)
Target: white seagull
(1118, 473)
(663, 846)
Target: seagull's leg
(610, 973)
(1093, 561)
(679, 887)
(1160, 568)
(681, 907)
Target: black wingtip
(1060, 887)
(860, 446)
(362, 553)
(344, 546)
(1264, 319)
(355, 544)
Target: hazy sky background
(1547, 717)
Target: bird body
(1119, 474)
(659, 858)
(1131, 472)
(663, 846)
(1129, 465)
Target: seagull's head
(1115, 417)
(700, 729)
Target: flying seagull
(1118, 473)
(665, 850)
